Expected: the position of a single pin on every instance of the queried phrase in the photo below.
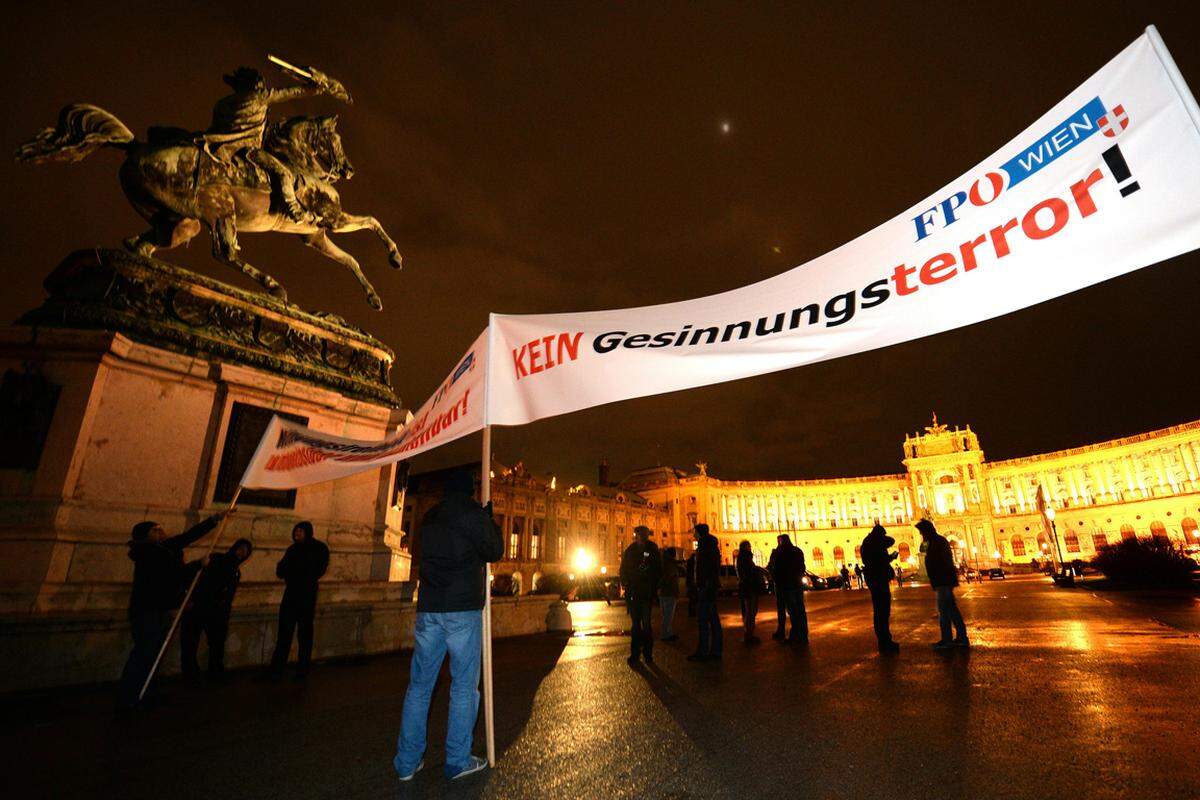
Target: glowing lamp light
(1050, 513)
(583, 560)
(571, 577)
(995, 554)
(604, 570)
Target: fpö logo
(1085, 122)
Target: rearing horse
(178, 186)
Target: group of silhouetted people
(644, 573)
(161, 583)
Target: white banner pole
(187, 597)
(489, 718)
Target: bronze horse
(176, 184)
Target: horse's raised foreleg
(226, 250)
(164, 234)
(358, 222)
(320, 242)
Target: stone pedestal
(133, 393)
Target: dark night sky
(558, 156)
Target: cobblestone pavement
(1065, 692)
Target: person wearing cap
(458, 539)
(641, 566)
(209, 609)
(878, 573)
(943, 577)
(159, 583)
(302, 565)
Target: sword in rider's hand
(292, 68)
(308, 76)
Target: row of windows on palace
(757, 512)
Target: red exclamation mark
(1120, 170)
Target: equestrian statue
(245, 173)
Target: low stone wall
(353, 619)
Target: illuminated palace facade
(550, 529)
(1140, 485)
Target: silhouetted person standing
(749, 588)
(690, 573)
(943, 577)
(845, 573)
(458, 539)
(209, 609)
(158, 586)
(878, 573)
(708, 565)
(302, 565)
(641, 567)
(858, 575)
(668, 593)
(787, 571)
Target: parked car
(727, 579)
(814, 581)
(995, 573)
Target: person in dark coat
(858, 576)
(689, 569)
(159, 577)
(943, 577)
(877, 572)
(459, 538)
(845, 573)
(302, 565)
(787, 569)
(209, 609)
(641, 568)
(708, 566)
(750, 586)
(668, 593)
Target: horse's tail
(81, 129)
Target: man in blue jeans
(458, 538)
(943, 577)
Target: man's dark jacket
(302, 565)
(641, 567)
(786, 566)
(458, 537)
(708, 564)
(158, 569)
(218, 583)
(939, 562)
(876, 560)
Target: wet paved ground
(1064, 693)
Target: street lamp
(1050, 513)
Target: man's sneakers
(950, 644)
(416, 769)
(474, 764)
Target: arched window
(1127, 532)
(818, 557)
(1099, 540)
(839, 556)
(1157, 529)
(1018, 546)
(1189, 529)
(1072, 542)
(904, 551)
(858, 554)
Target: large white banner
(1104, 183)
(292, 455)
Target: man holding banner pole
(459, 538)
(158, 574)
